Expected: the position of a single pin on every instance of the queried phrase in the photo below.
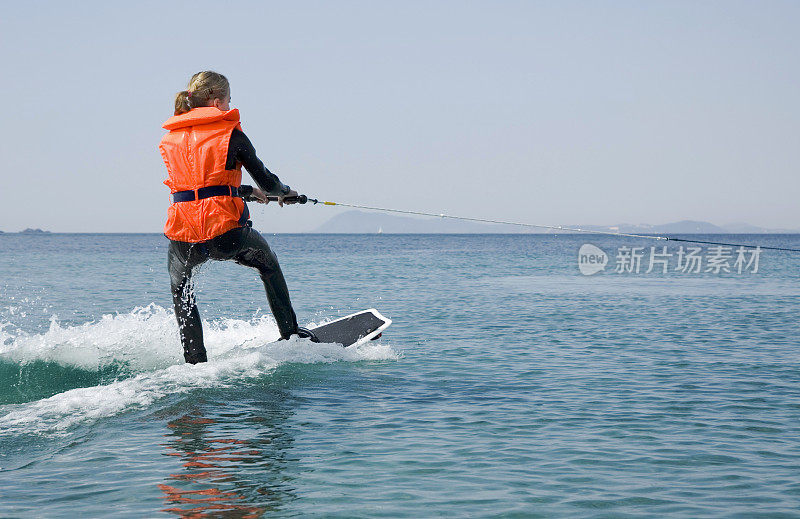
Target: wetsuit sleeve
(240, 149)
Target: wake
(132, 360)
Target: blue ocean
(510, 384)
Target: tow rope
(302, 199)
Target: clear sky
(545, 112)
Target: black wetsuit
(240, 149)
(244, 245)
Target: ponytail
(203, 88)
(182, 102)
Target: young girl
(204, 152)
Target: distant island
(34, 231)
(361, 222)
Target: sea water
(509, 384)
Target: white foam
(144, 338)
(147, 338)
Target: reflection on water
(233, 461)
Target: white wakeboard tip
(354, 329)
(379, 315)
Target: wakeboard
(353, 329)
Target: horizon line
(50, 233)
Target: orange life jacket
(195, 151)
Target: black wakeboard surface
(353, 329)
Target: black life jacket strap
(243, 220)
(204, 192)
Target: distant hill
(682, 227)
(361, 222)
(746, 228)
(34, 231)
(689, 227)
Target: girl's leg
(255, 253)
(181, 260)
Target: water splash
(145, 341)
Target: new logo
(591, 259)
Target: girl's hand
(291, 193)
(260, 196)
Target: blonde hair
(203, 88)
